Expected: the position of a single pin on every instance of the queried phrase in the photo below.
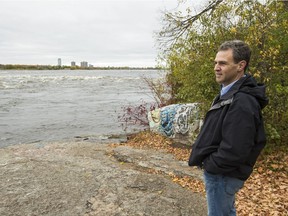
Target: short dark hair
(241, 51)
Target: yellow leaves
(233, 30)
(257, 74)
(271, 53)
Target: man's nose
(216, 67)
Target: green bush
(264, 26)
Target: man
(232, 135)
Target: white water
(55, 105)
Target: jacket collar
(235, 88)
(227, 98)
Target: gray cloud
(114, 33)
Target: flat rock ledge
(84, 178)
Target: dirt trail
(84, 178)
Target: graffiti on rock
(176, 119)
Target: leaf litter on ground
(264, 193)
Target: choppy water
(56, 105)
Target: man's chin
(219, 81)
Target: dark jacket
(232, 135)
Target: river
(53, 105)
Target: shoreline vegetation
(65, 67)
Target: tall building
(84, 64)
(73, 64)
(59, 62)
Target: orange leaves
(195, 185)
(158, 142)
(148, 140)
(264, 193)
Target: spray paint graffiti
(176, 119)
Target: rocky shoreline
(86, 178)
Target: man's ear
(242, 65)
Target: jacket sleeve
(238, 134)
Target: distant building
(73, 64)
(84, 64)
(91, 66)
(59, 62)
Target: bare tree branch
(177, 26)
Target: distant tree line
(56, 67)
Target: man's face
(226, 71)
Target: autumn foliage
(192, 39)
(264, 193)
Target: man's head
(231, 61)
(241, 51)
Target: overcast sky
(102, 32)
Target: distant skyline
(103, 33)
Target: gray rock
(84, 178)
